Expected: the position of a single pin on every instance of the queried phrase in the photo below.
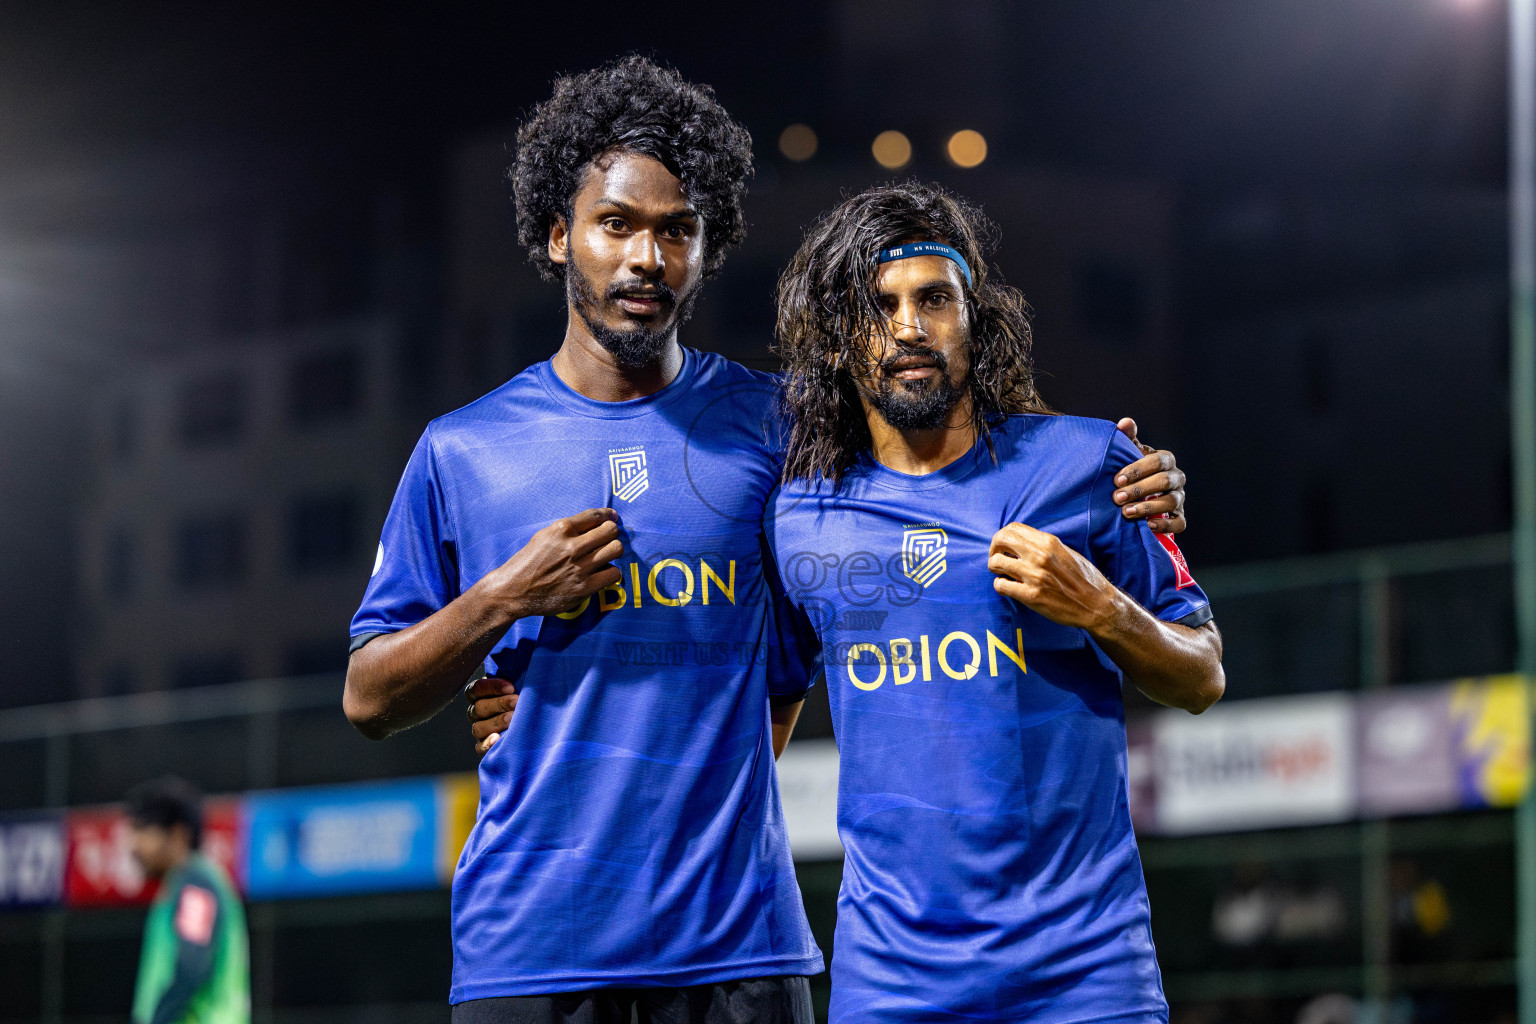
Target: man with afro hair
(589, 533)
(632, 105)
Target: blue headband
(910, 249)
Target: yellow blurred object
(967, 148)
(458, 801)
(798, 142)
(1493, 723)
(1431, 908)
(892, 150)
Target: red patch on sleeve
(1180, 567)
(195, 912)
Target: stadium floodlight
(892, 150)
(798, 142)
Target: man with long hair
(991, 873)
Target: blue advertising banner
(31, 860)
(369, 837)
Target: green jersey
(195, 967)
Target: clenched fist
(401, 679)
(1043, 574)
(561, 564)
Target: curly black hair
(630, 104)
(828, 315)
(166, 802)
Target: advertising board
(370, 837)
(1256, 764)
(32, 852)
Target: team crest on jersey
(923, 553)
(626, 469)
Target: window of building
(207, 669)
(119, 570)
(324, 386)
(211, 550)
(322, 532)
(118, 679)
(211, 409)
(124, 428)
(1111, 301)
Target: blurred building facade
(230, 522)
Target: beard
(915, 404)
(640, 344)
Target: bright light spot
(892, 150)
(967, 148)
(798, 142)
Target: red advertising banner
(100, 870)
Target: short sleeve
(415, 571)
(794, 659)
(1147, 566)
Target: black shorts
(780, 1000)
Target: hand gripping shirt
(991, 871)
(629, 828)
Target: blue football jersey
(991, 871)
(629, 828)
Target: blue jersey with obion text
(991, 871)
(629, 830)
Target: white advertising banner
(1255, 764)
(808, 789)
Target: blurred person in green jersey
(195, 967)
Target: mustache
(888, 364)
(637, 289)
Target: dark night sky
(1299, 92)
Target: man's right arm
(402, 679)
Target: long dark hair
(827, 303)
